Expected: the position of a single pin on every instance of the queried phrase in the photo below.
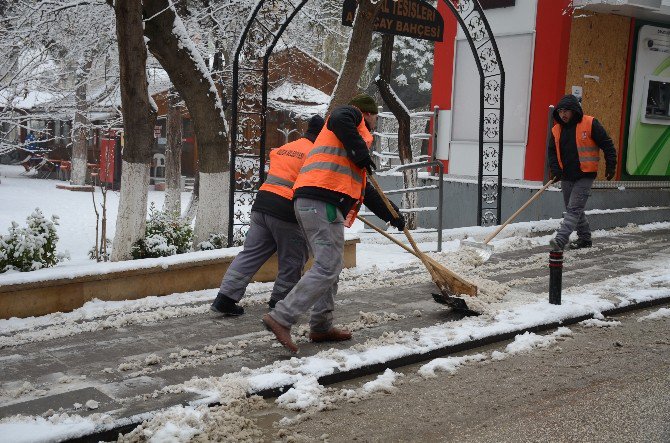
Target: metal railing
(440, 192)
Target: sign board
(409, 18)
(157, 131)
(492, 4)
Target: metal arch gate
(264, 28)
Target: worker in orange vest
(273, 228)
(328, 193)
(573, 154)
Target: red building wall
(552, 43)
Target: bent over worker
(328, 193)
(273, 227)
(573, 153)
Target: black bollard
(555, 276)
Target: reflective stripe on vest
(587, 149)
(274, 180)
(285, 164)
(329, 167)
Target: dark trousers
(575, 196)
(267, 235)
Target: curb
(338, 377)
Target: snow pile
(529, 341)
(383, 383)
(449, 364)
(309, 397)
(200, 423)
(598, 323)
(57, 427)
(304, 394)
(661, 313)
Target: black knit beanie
(314, 125)
(365, 103)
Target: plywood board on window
(597, 63)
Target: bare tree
(357, 54)
(169, 42)
(173, 156)
(139, 117)
(80, 127)
(401, 113)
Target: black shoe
(227, 306)
(579, 244)
(554, 245)
(272, 303)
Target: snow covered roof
(26, 100)
(301, 93)
(301, 99)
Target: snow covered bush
(166, 234)
(32, 247)
(215, 241)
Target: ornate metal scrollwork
(264, 28)
(473, 22)
(491, 159)
(490, 195)
(489, 218)
(250, 83)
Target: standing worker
(573, 158)
(273, 228)
(328, 193)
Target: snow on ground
(448, 364)
(597, 323)
(20, 195)
(661, 313)
(302, 372)
(381, 264)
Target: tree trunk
(401, 113)
(80, 127)
(139, 118)
(357, 54)
(192, 208)
(173, 157)
(170, 44)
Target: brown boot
(333, 334)
(282, 333)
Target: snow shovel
(448, 282)
(483, 249)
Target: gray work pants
(575, 196)
(323, 226)
(266, 235)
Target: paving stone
(89, 354)
(65, 400)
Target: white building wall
(514, 29)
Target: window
(657, 100)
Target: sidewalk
(123, 362)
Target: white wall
(514, 29)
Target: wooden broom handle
(394, 214)
(394, 240)
(513, 216)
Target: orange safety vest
(329, 167)
(586, 146)
(285, 164)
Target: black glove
(366, 163)
(610, 173)
(556, 175)
(398, 223)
